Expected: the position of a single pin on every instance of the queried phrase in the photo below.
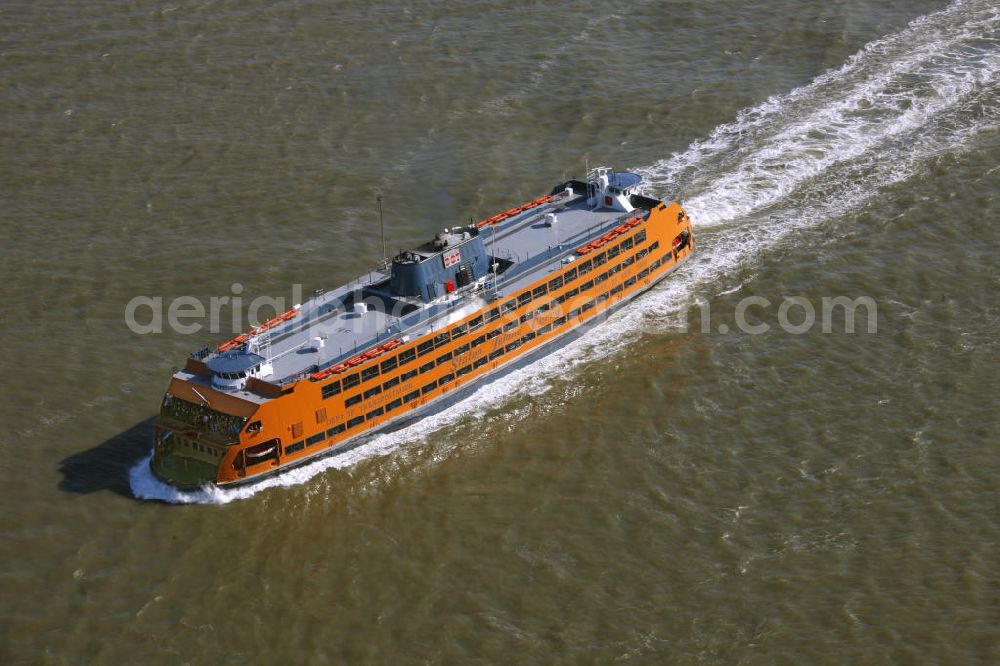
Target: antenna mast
(381, 224)
(493, 250)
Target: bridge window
(640, 237)
(442, 339)
(388, 364)
(459, 331)
(493, 315)
(369, 373)
(475, 323)
(570, 275)
(555, 283)
(523, 299)
(425, 347)
(351, 380)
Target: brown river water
(710, 476)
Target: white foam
(798, 160)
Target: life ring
(261, 454)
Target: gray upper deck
(331, 328)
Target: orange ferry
(418, 333)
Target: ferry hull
(216, 422)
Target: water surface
(654, 492)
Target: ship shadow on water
(107, 465)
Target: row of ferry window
(198, 446)
(476, 323)
(447, 356)
(493, 356)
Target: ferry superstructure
(416, 333)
